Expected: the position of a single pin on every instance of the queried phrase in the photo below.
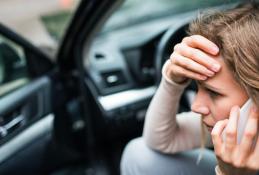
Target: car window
(43, 23)
(152, 9)
(13, 69)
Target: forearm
(160, 123)
(164, 131)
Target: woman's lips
(209, 127)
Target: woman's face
(217, 95)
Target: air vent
(114, 78)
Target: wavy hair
(236, 33)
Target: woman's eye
(213, 94)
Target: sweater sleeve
(164, 129)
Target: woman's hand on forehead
(195, 58)
(202, 43)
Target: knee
(136, 157)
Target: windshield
(43, 23)
(136, 11)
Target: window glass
(13, 69)
(43, 23)
(154, 9)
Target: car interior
(73, 112)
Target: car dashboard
(121, 66)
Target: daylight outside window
(43, 23)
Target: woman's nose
(199, 105)
(200, 109)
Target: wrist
(176, 79)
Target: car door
(28, 80)
(39, 116)
(25, 105)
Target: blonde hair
(203, 142)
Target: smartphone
(241, 124)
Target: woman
(222, 55)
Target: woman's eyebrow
(209, 86)
(212, 87)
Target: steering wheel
(171, 37)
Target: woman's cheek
(221, 110)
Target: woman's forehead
(222, 80)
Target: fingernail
(203, 77)
(235, 108)
(215, 67)
(215, 50)
(210, 73)
(255, 109)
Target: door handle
(6, 128)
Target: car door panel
(36, 90)
(26, 152)
(26, 125)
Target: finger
(231, 135)
(198, 56)
(250, 133)
(179, 71)
(252, 160)
(231, 129)
(216, 135)
(200, 42)
(190, 65)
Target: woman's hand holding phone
(193, 58)
(238, 157)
